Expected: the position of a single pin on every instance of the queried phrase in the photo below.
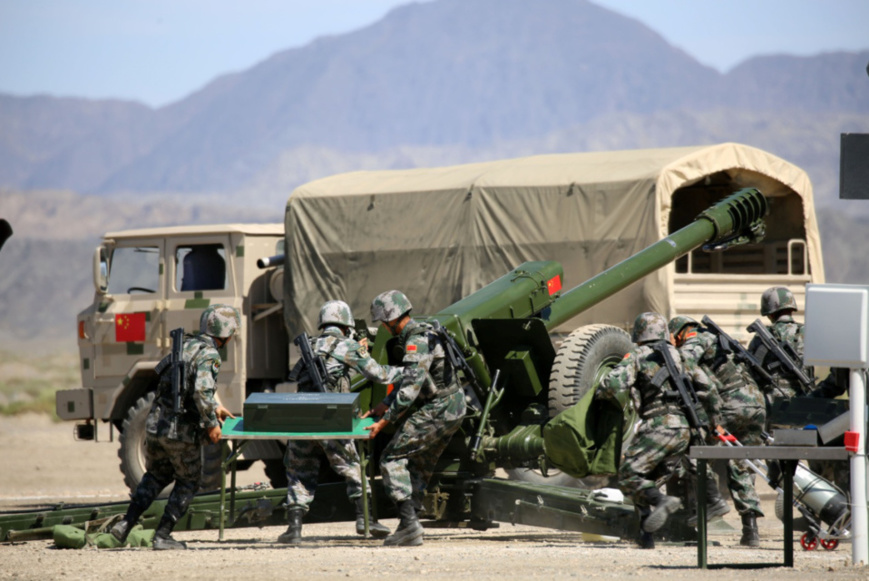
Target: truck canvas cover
(439, 234)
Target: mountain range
(437, 82)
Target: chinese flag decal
(130, 327)
(553, 285)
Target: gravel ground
(40, 464)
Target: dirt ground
(40, 464)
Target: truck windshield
(134, 270)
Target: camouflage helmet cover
(775, 299)
(389, 306)
(335, 313)
(677, 323)
(219, 321)
(650, 327)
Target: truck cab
(147, 283)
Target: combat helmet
(775, 299)
(650, 327)
(389, 306)
(679, 322)
(219, 321)
(335, 313)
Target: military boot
(121, 530)
(163, 540)
(715, 503)
(662, 507)
(750, 536)
(645, 540)
(377, 530)
(409, 531)
(123, 527)
(293, 534)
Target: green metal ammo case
(301, 412)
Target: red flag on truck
(130, 327)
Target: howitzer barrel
(737, 215)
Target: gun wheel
(132, 450)
(582, 360)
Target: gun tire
(132, 450)
(583, 358)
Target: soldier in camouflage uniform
(778, 304)
(431, 385)
(664, 434)
(344, 357)
(173, 445)
(743, 411)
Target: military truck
(439, 235)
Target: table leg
(228, 457)
(788, 467)
(363, 472)
(701, 513)
(234, 465)
(224, 452)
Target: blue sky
(159, 51)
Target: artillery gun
(540, 413)
(531, 406)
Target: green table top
(233, 429)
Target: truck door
(127, 324)
(201, 272)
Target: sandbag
(71, 537)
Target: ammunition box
(301, 412)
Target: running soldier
(430, 383)
(664, 435)
(173, 445)
(343, 357)
(743, 411)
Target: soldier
(743, 411)
(173, 444)
(778, 304)
(664, 434)
(430, 384)
(343, 357)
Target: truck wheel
(583, 359)
(132, 450)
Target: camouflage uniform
(743, 411)
(173, 444)
(664, 433)
(429, 382)
(343, 356)
(786, 331)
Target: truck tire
(584, 357)
(132, 450)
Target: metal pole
(859, 517)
